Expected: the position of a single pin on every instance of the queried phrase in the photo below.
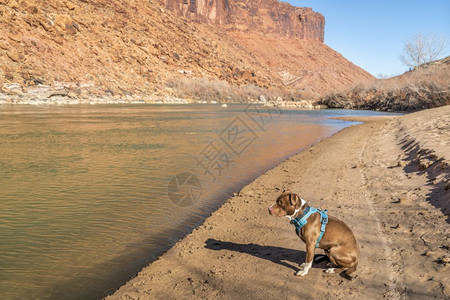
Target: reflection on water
(83, 189)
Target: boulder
(66, 24)
(13, 4)
(32, 9)
(15, 56)
(45, 23)
(4, 45)
(70, 5)
(262, 98)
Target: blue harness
(300, 222)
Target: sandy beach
(388, 179)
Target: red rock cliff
(265, 16)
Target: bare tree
(421, 49)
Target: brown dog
(338, 240)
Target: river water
(91, 194)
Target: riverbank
(62, 95)
(388, 179)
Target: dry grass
(204, 89)
(425, 87)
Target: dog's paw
(301, 273)
(306, 267)
(330, 271)
(303, 265)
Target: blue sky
(371, 34)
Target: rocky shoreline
(69, 100)
(64, 93)
(72, 94)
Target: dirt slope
(129, 49)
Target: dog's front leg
(310, 247)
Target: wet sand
(388, 179)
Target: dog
(337, 239)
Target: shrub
(204, 89)
(425, 87)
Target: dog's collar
(290, 217)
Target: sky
(372, 34)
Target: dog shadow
(289, 258)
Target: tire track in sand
(391, 284)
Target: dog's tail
(350, 270)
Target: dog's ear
(293, 199)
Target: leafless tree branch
(421, 49)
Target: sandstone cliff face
(263, 16)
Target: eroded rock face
(264, 16)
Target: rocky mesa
(264, 16)
(132, 50)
